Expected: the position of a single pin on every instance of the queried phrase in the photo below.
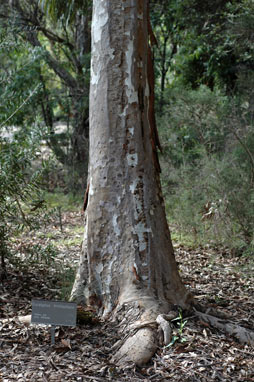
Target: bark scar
(135, 273)
(86, 197)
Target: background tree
(63, 56)
(164, 25)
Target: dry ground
(199, 352)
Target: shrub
(20, 198)
(208, 167)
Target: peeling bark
(127, 268)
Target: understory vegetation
(207, 167)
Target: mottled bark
(128, 266)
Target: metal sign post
(52, 333)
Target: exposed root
(243, 335)
(142, 330)
(141, 337)
(166, 328)
(139, 347)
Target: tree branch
(54, 64)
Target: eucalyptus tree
(127, 267)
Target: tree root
(139, 347)
(243, 335)
(143, 337)
(165, 328)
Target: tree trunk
(127, 268)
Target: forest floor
(198, 352)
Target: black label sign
(59, 313)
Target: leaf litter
(200, 354)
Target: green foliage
(20, 199)
(195, 120)
(39, 254)
(178, 336)
(64, 10)
(207, 42)
(19, 84)
(206, 123)
(208, 166)
(45, 59)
